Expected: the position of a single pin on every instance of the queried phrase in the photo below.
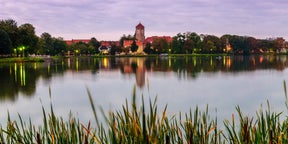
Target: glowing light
(48, 68)
(22, 49)
(194, 61)
(228, 63)
(211, 61)
(15, 71)
(105, 62)
(35, 66)
(77, 64)
(22, 75)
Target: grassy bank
(157, 55)
(22, 59)
(143, 123)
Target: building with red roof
(74, 41)
(152, 38)
(139, 36)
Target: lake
(181, 82)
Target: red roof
(110, 43)
(128, 43)
(152, 38)
(139, 26)
(73, 41)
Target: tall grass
(143, 123)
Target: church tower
(140, 33)
(140, 37)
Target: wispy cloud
(109, 19)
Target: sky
(110, 19)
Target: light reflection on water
(182, 83)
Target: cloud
(113, 17)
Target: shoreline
(48, 59)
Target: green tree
(239, 44)
(177, 45)
(148, 48)
(252, 45)
(113, 49)
(28, 38)
(47, 45)
(95, 44)
(211, 44)
(196, 39)
(59, 47)
(134, 46)
(188, 46)
(160, 45)
(264, 45)
(80, 48)
(5, 43)
(11, 28)
(209, 47)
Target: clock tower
(140, 33)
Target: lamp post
(21, 49)
(15, 52)
(76, 51)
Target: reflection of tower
(140, 36)
(137, 66)
(140, 73)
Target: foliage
(47, 44)
(124, 37)
(115, 49)
(52, 46)
(185, 43)
(28, 37)
(211, 44)
(59, 47)
(148, 49)
(11, 28)
(5, 43)
(160, 45)
(182, 43)
(134, 46)
(143, 123)
(94, 44)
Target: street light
(76, 51)
(15, 51)
(22, 48)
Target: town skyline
(109, 20)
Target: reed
(143, 123)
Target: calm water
(182, 83)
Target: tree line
(21, 40)
(191, 42)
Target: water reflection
(22, 77)
(134, 66)
(16, 78)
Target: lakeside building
(152, 38)
(139, 36)
(140, 40)
(74, 41)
